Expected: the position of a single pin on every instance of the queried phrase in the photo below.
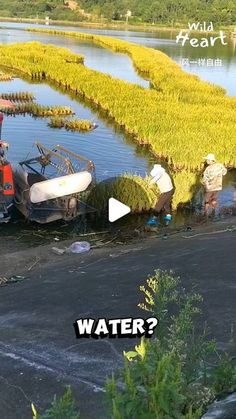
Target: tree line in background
(154, 11)
(166, 11)
(55, 9)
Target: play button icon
(117, 210)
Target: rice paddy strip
(81, 125)
(163, 72)
(18, 96)
(180, 131)
(37, 110)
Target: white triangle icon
(117, 210)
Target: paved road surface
(39, 354)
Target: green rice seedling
(56, 122)
(5, 77)
(81, 125)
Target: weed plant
(178, 372)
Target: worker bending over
(166, 187)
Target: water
(112, 151)
(164, 40)
(223, 74)
(96, 57)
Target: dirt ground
(39, 353)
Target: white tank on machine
(60, 186)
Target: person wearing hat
(212, 181)
(165, 185)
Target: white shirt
(162, 179)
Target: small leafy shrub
(177, 373)
(63, 408)
(224, 377)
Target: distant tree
(156, 11)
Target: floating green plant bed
(81, 125)
(164, 74)
(37, 110)
(181, 120)
(18, 96)
(135, 192)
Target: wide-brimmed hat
(210, 157)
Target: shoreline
(144, 27)
(20, 259)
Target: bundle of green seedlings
(5, 77)
(135, 192)
(81, 125)
(37, 110)
(18, 96)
